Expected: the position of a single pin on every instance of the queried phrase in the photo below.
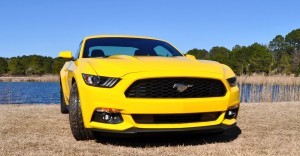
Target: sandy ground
(263, 129)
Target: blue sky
(48, 27)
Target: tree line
(280, 56)
(30, 65)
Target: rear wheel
(75, 117)
(63, 106)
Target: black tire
(63, 106)
(75, 117)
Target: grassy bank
(260, 88)
(243, 79)
(263, 129)
(44, 78)
(269, 80)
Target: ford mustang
(133, 84)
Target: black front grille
(169, 88)
(174, 118)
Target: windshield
(105, 47)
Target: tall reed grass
(254, 88)
(267, 79)
(44, 78)
(262, 88)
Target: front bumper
(94, 97)
(209, 129)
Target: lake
(48, 93)
(29, 92)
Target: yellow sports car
(134, 84)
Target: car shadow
(169, 139)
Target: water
(48, 93)
(29, 93)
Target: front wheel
(75, 117)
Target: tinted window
(161, 51)
(105, 47)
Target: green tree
(283, 65)
(295, 60)
(298, 70)
(282, 58)
(219, 54)
(278, 46)
(293, 41)
(47, 65)
(58, 63)
(15, 66)
(293, 38)
(35, 65)
(261, 59)
(239, 60)
(199, 53)
(3, 66)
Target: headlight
(100, 81)
(232, 81)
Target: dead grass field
(263, 129)
(44, 78)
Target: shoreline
(44, 78)
(243, 79)
(268, 79)
(56, 104)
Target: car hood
(119, 65)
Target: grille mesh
(164, 88)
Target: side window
(77, 52)
(161, 51)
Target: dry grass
(44, 78)
(243, 79)
(275, 88)
(270, 80)
(263, 129)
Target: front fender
(72, 72)
(64, 82)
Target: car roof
(127, 36)
(121, 36)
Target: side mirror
(192, 57)
(66, 54)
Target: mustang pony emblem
(181, 87)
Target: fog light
(232, 112)
(107, 115)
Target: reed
(254, 88)
(267, 79)
(263, 88)
(44, 78)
